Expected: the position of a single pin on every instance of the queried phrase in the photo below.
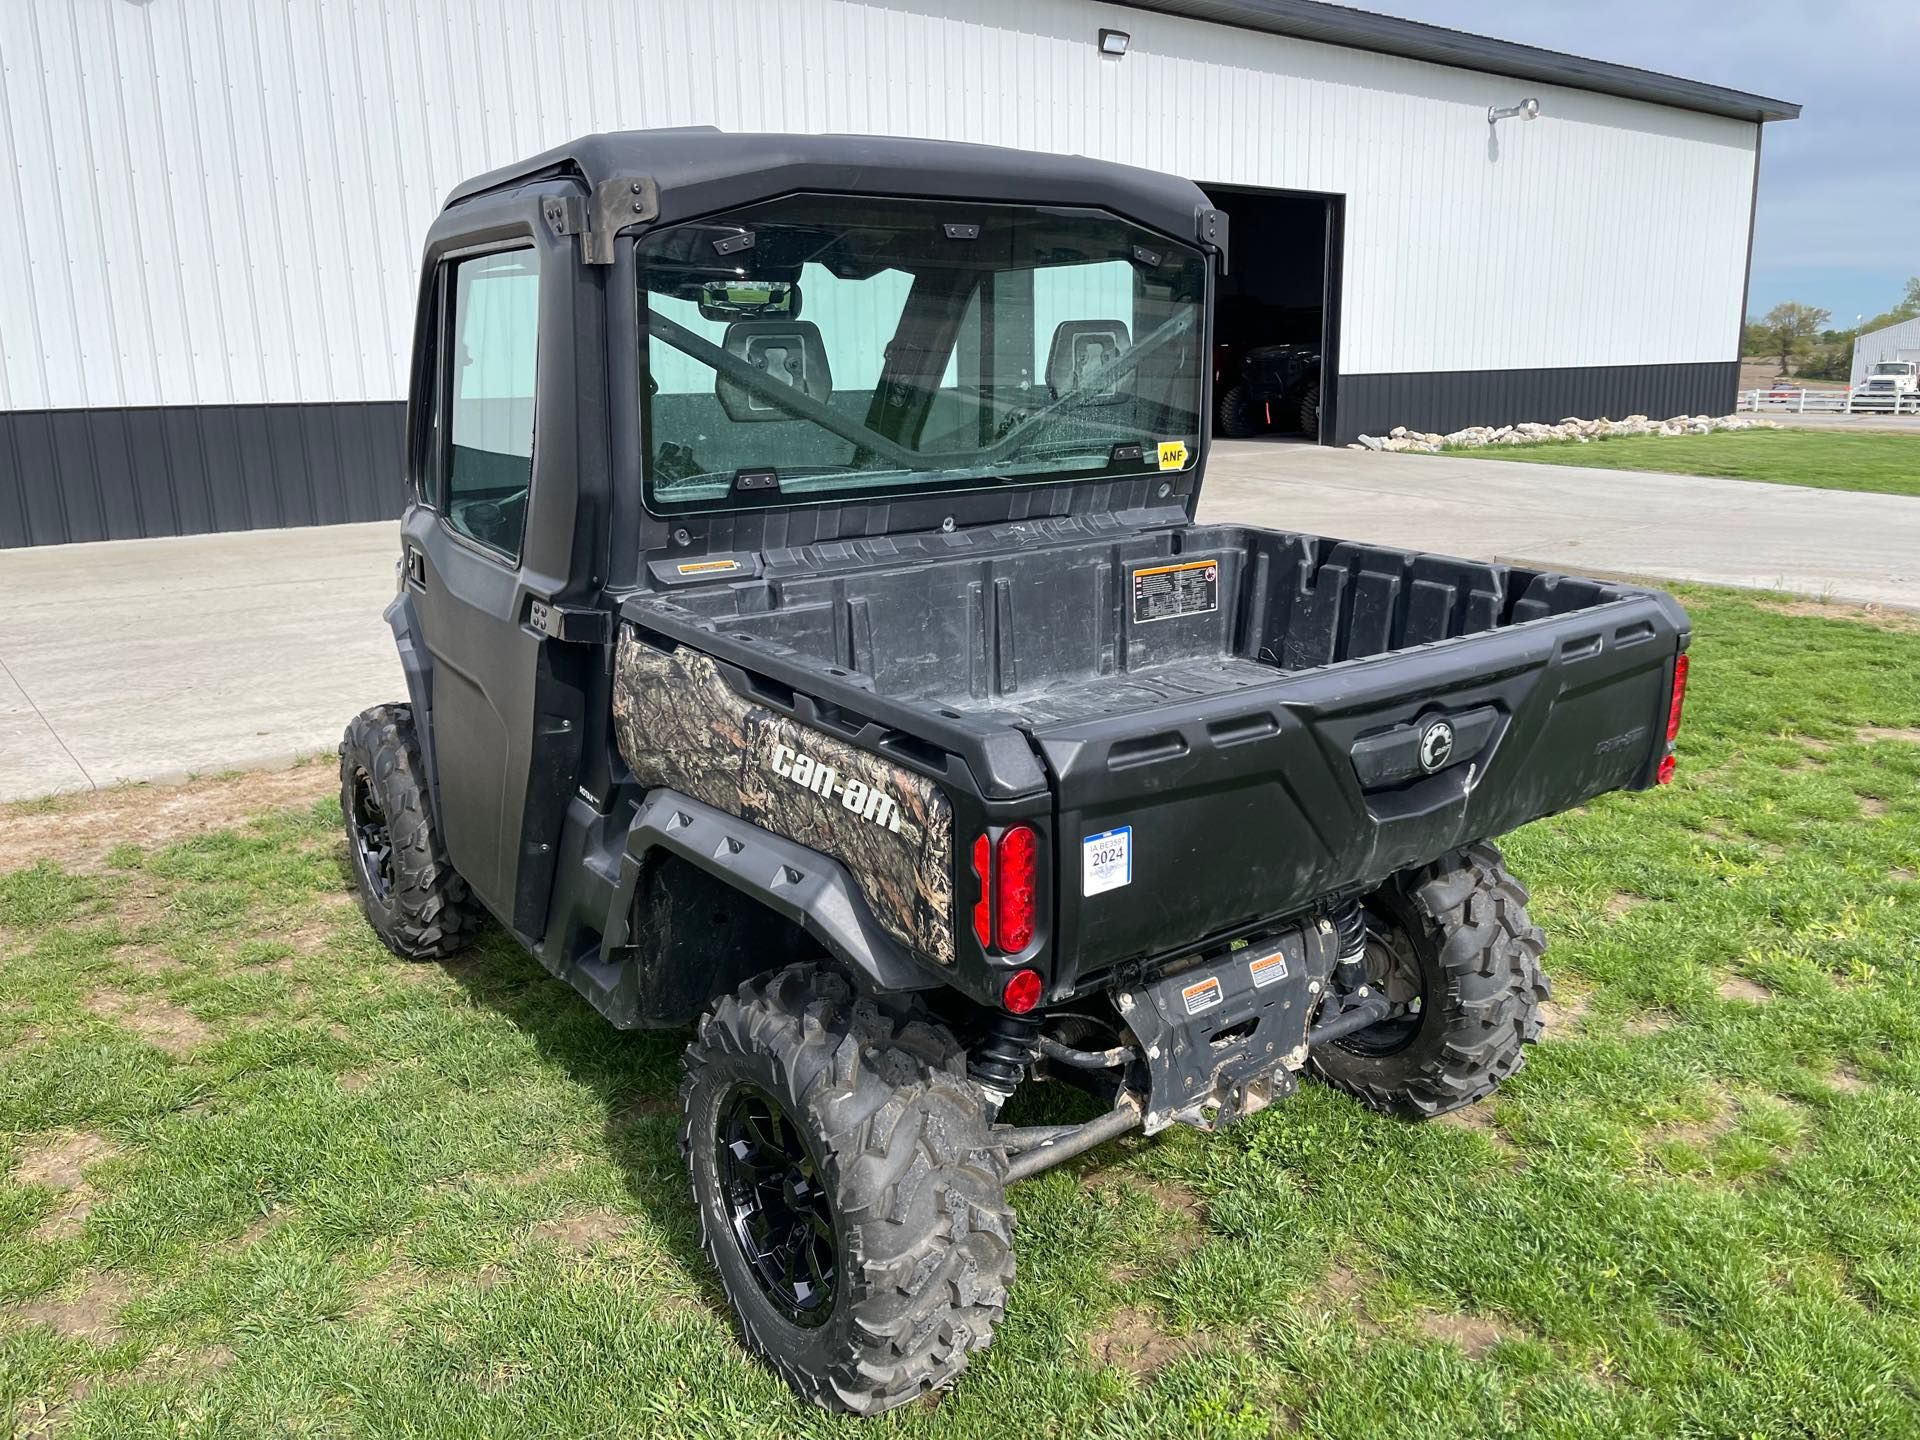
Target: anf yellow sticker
(709, 567)
(1173, 454)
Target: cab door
(488, 546)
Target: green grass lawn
(262, 1178)
(1887, 463)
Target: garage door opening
(1275, 337)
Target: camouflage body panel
(681, 726)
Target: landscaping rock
(1571, 430)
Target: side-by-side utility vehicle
(808, 637)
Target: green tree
(1789, 328)
(1908, 307)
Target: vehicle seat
(790, 351)
(1081, 346)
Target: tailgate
(1191, 820)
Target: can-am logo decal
(1435, 746)
(869, 802)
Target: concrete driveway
(1828, 544)
(153, 659)
(156, 659)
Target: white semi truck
(1896, 381)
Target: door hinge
(571, 624)
(615, 204)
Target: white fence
(1792, 400)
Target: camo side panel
(680, 725)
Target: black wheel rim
(371, 843)
(1395, 971)
(777, 1207)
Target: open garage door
(1276, 330)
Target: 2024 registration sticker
(1106, 861)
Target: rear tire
(409, 891)
(1458, 931)
(1310, 411)
(1233, 413)
(852, 1131)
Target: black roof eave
(1412, 40)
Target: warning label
(1267, 969)
(1167, 591)
(1201, 995)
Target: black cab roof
(700, 170)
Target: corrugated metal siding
(223, 202)
(123, 473)
(1894, 342)
(1453, 399)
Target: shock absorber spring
(1350, 922)
(998, 1063)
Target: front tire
(412, 896)
(846, 1194)
(1453, 941)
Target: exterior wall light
(1527, 109)
(1114, 42)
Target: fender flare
(812, 890)
(417, 666)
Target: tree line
(1791, 329)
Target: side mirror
(749, 300)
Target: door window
(496, 322)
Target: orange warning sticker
(1201, 995)
(1267, 969)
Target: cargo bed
(1248, 704)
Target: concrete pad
(155, 659)
(1864, 421)
(32, 759)
(1829, 544)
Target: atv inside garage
(1275, 329)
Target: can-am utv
(808, 637)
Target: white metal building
(208, 254)
(1893, 342)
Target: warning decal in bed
(1163, 592)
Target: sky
(1839, 217)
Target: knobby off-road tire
(896, 1137)
(1233, 413)
(1460, 926)
(1310, 411)
(411, 895)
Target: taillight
(1676, 707)
(983, 904)
(1016, 860)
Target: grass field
(1887, 463)
(263, 1179)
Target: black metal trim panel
(1444, 400)
(1412, 40)
(125, 473)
